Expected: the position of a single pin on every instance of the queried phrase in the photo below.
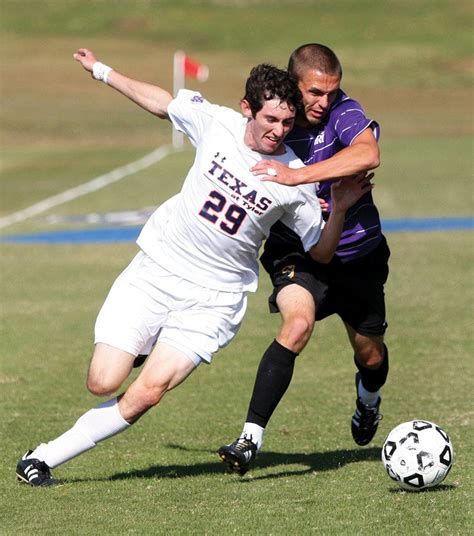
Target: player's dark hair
(313, 56)
(267, 82)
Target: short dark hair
(313, 56)
(267, 82)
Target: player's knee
(148, 396)
(296, 332)
(302, 326)
(108, 369)
(370, 356)
(374, 370)
(101, 386)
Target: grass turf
(163, 475)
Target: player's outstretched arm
(362, 155)
(344, 194)
(151, 98)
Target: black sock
(374, 379)
(273, 378)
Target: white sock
(97, 424)
(368, 398)
(254, 432)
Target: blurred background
(408, 62)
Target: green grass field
(410, 63)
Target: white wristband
(101, 71)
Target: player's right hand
(346, 192)
(86, 58)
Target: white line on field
(88, 187)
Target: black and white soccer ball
(417, 455)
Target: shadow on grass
(436, 489)
(314, 462)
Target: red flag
(195, 69)
(184, 66)
(187, 66)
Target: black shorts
(353, 290)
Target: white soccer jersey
(212, 231)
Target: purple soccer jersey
(345, 121)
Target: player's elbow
(375, 162)
(161, 114)
(322, 256)
(373, 158)
(324, 259)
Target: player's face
(266, 131)
(319, 91)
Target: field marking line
(89, 187)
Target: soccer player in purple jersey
(334, 139)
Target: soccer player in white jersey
(186, 288)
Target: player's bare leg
(274, 375)
(165, 369)
(108, 369)
(298, 313)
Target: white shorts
(147, 303)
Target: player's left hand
(347, 191)
(271, 170)
(323, 204)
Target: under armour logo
(289, 271)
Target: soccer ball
(417, 455)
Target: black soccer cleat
(34, 472)
(365, 420)
(239, 455)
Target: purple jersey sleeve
(351, 122)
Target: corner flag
(184, 66)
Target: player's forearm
(324, 250)
(151, 98)
(347, 162)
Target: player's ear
(245, 107)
